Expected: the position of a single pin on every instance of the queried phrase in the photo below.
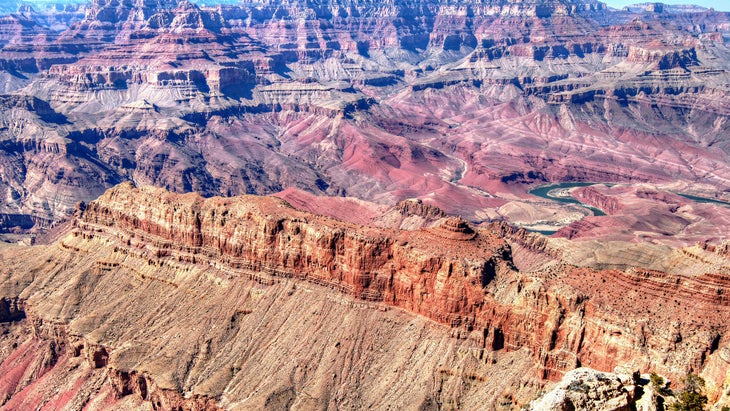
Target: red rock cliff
(441, 272)
(144, 264)
(451, 273)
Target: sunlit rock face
(390, 268)
(165, 300)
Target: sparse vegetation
(657, 383)
(578, 386)
(691, 397)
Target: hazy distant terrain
(467, 107)
(360, 204)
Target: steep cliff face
(382, 102)
(285, 307)
(264, 235)
(456, 105)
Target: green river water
(544, 192)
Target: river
(559, 193)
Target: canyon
(465, 106)
(163, 300)
(333, 205)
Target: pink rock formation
(646, 214)
(142, 240)
(462, 106)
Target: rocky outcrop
(420, 209)
(663, 59)
(529, 241)
(11, 310)
(257, 260)
(594, 198)
(451, 273)
(266, 238)
(587, 389)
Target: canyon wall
(382, 102)
(142, 264)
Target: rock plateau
(323, 205)
(283, 308)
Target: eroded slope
(247, 303)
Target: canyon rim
(353, 204)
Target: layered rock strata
(463, 105)
(235, 273)
(264, 236)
